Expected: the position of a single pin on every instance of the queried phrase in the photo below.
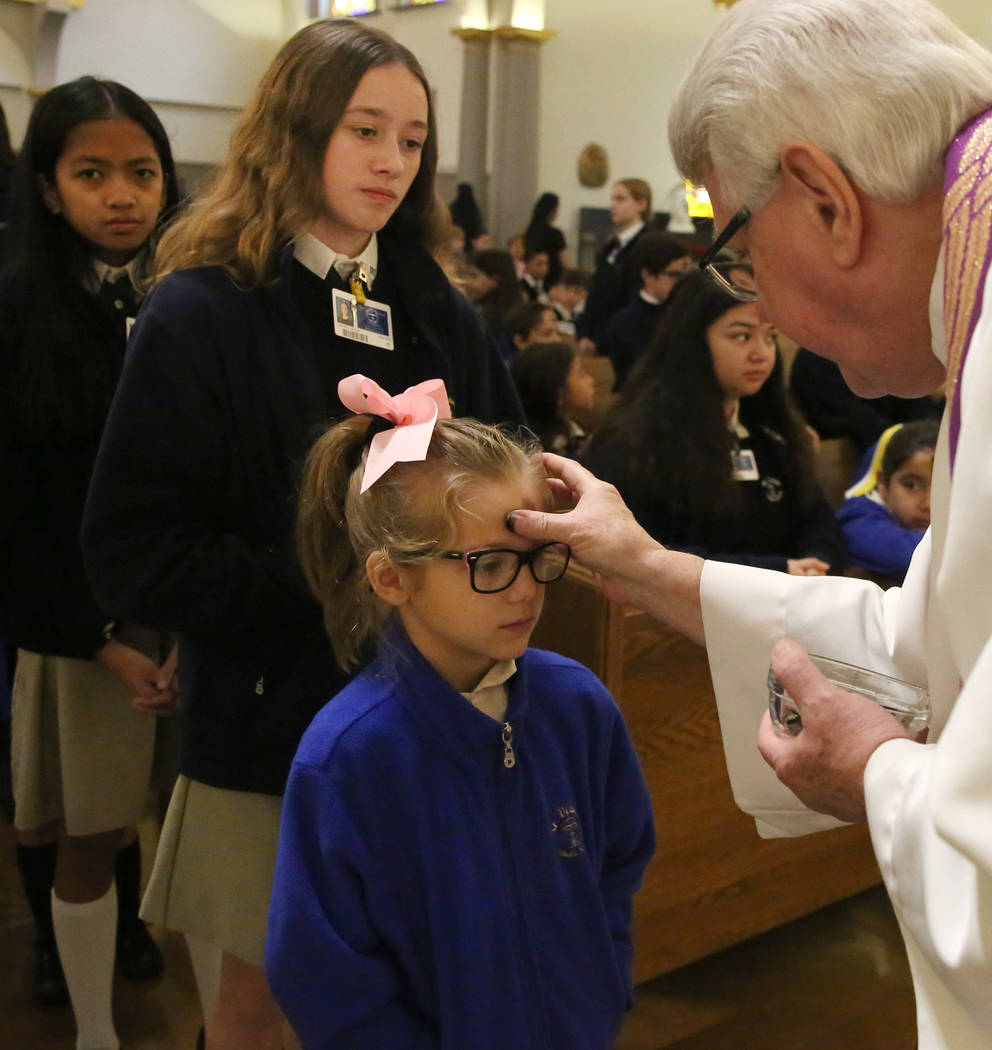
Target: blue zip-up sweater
(444, 881)
(875, 540)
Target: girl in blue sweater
(887, 510)
(465, 824)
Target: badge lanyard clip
(359, 280)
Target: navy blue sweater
(190, 517)
(628, 335)
(46, 602)
(427, 896)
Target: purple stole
(967, 250)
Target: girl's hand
(167, 683)
(141, 676)
(167, 672)
(807, 567)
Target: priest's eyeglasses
(496, 568)
(735, 279)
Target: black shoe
(49, 980)
(201, 1039)
(139, 958)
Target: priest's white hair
(882, 86)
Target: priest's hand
(599, 527)
(824, 765)
(632, 568)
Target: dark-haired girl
(887, 510)
(94, 186)
(495, 288)
(306, 261)
(553, 383)
(542, 235)
(705, 449)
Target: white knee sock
(86, 935)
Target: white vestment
(929, 806)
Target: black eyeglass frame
(471, 559)
(744, 295)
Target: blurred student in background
(705, 449)
(615, 282)
(553, 384)
(542, 235)
(887, 510)
(660, 259)
(525, 324)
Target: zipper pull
(509, 758)
(260, 685)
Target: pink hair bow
(414, 413)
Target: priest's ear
(828, 206)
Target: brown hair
(640, 191)
(271, 184)
(408, 514)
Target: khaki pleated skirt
(79, 751)
(214, 867)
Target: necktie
(345, 268)
(355, 276)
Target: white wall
(610, 80)
(196, 61)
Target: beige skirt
(79, 751)
(214, 867)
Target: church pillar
(473, 133)
(513, 186)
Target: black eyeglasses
(727, 275)
(496, 568)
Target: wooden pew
(713, 882)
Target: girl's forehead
(485, 507)
(920, 462)
(393, 89)
(115, 133)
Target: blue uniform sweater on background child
(447, 881)
(875, 540)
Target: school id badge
(370, 322)
(745, 466)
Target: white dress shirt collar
(318, 258)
